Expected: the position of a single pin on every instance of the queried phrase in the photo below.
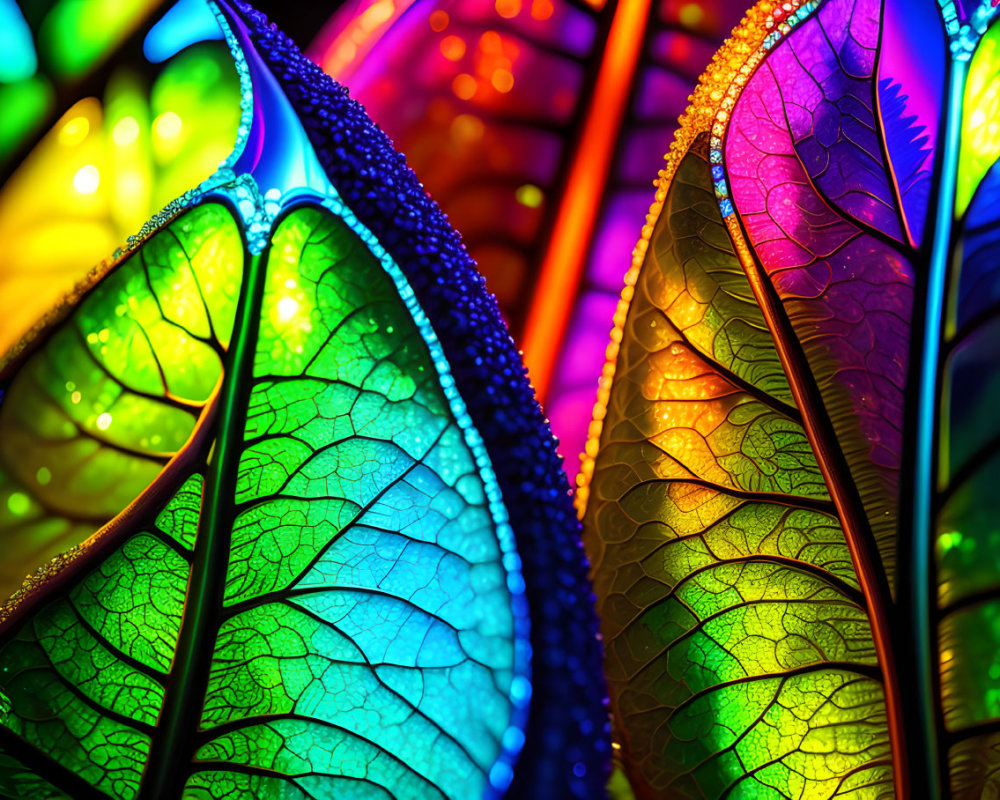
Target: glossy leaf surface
(309, 580)
(787, 510)
(96, 413)
(354, 481)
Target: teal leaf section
(326, 603)
(566, 746)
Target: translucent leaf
(327, 519)
(788, 500)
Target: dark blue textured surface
(567, 749)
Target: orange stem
(565, 257)
(854, 522)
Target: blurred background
(538, 126)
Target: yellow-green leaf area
(115, 389)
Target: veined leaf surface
(788, 506)
(345, 475)
(117, 390)
(304, 577)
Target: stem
(926, 440)
(174, 741)
(836, 473)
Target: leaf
(967, 600)
(354, 481)
(788, 509)
(117, 390)
(321, 592)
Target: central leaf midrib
(173, 746)
(916, 604)
(836, 472)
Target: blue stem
(927, 421)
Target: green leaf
(319, 604)
(738, 646)
(116, 391)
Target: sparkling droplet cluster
(964, 36)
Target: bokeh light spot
(691, 15)
(104, 421)
(168, 125)
(87, 179)
(452, 47)
(467, 128)
(74, 131)
(18, 504)
(502, 80)
(508, 9)
(464, 86)
(490, 42)
(542, 9)
(438, 20)
(529, 195)
(126, 131)
(377, 14)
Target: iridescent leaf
(788, 509)
(314, 570)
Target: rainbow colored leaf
(308, 533)
(788, 500)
